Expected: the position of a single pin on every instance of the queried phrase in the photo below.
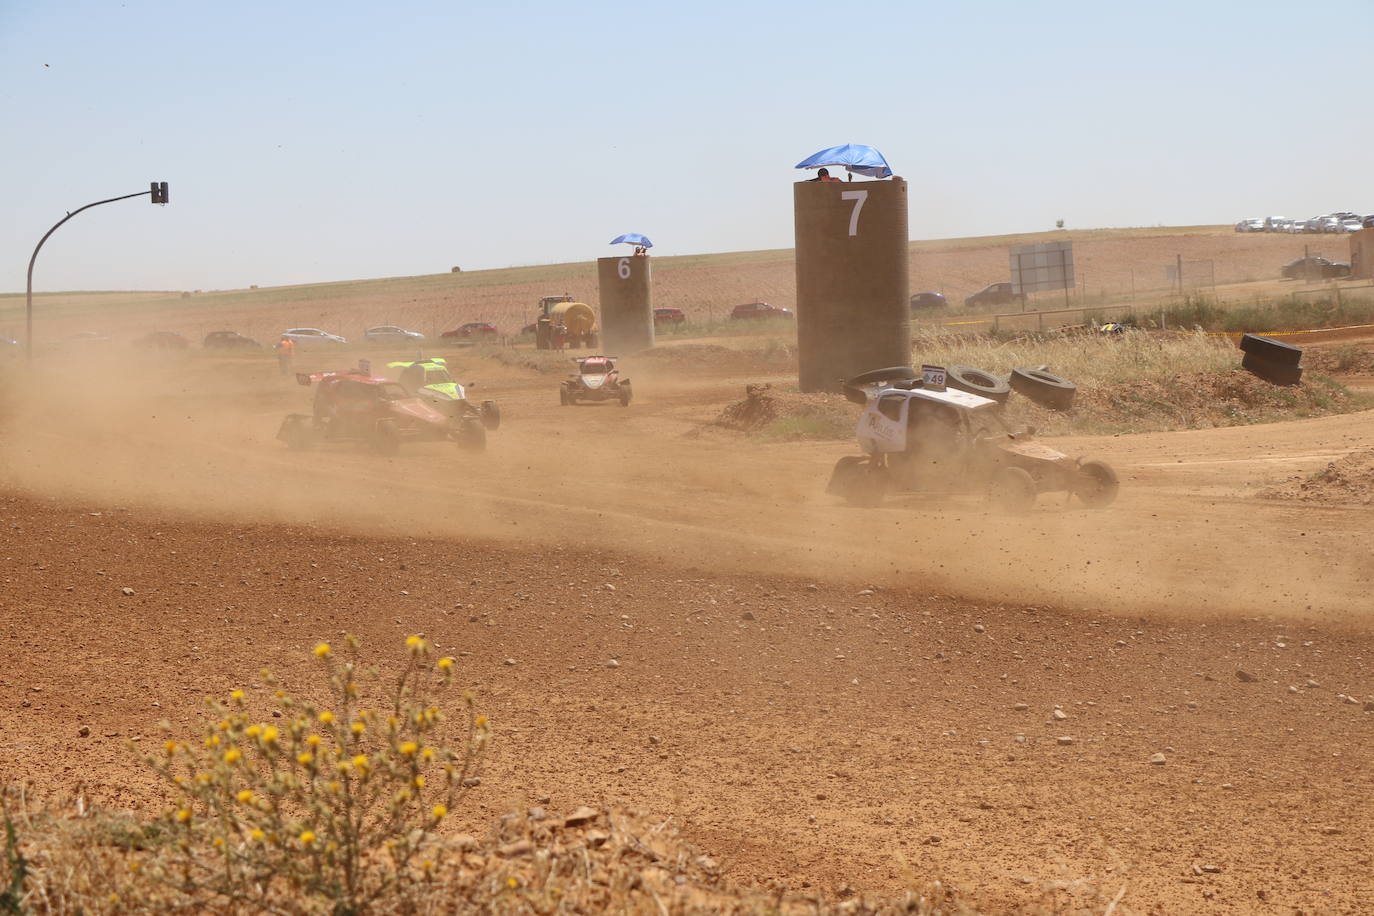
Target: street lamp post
(157, 194)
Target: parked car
(759, 310)
(1368, 221)
(1270, 223)
(669, 316)
(995, 294)
(391, 334)
(162, 340)
(1351, 225)
(472, 329)
(924, 301)
(308, 338)
(1314, 267)
(229, 340)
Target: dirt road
(810, 728)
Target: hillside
(1110, 262)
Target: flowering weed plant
(336, 804)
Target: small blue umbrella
(855, 157)
(633, 238)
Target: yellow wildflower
(184, 815)
(236, 695)
(322, 650)
(359, 728)
(313, 741)
(409, 748)
(360, 761)
(326, 717)
(258, 835)
(170, 747)
(307, 837)
(244, 796)
(445, 663)
(305, 758)
(269, 734)
(419, 782)
(253, 731)
(439, 811)
(414, 642)
(480, 722)
(232, 755)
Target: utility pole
(157, 193)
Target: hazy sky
(326, 141)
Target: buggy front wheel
(1012, 490)
(1097, 484)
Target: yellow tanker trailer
(564, 323)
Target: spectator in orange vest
(286, 349)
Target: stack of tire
(1273, 360)
(1036, 384)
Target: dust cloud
(194, 435)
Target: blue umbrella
(633, 238)
(855, 157)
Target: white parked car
(391, 334)
(306, 338)
(1350, 225)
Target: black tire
(1271, 350)
(891, 373)
(1274, 373)
(1012, 490)
(296, 432)
(1043, 388)
(976, 381)
(869, 487)
(842, 478)
(626, 392)
(472, 435)
(1097, 484)
(491, 415)
(386, 439)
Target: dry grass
(1090, 361)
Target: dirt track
(779, 692)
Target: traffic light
(159, 192)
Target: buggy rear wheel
(296, 432)
(858, 480)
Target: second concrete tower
(627, 308)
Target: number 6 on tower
(858, 197)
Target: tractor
(564, 323)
